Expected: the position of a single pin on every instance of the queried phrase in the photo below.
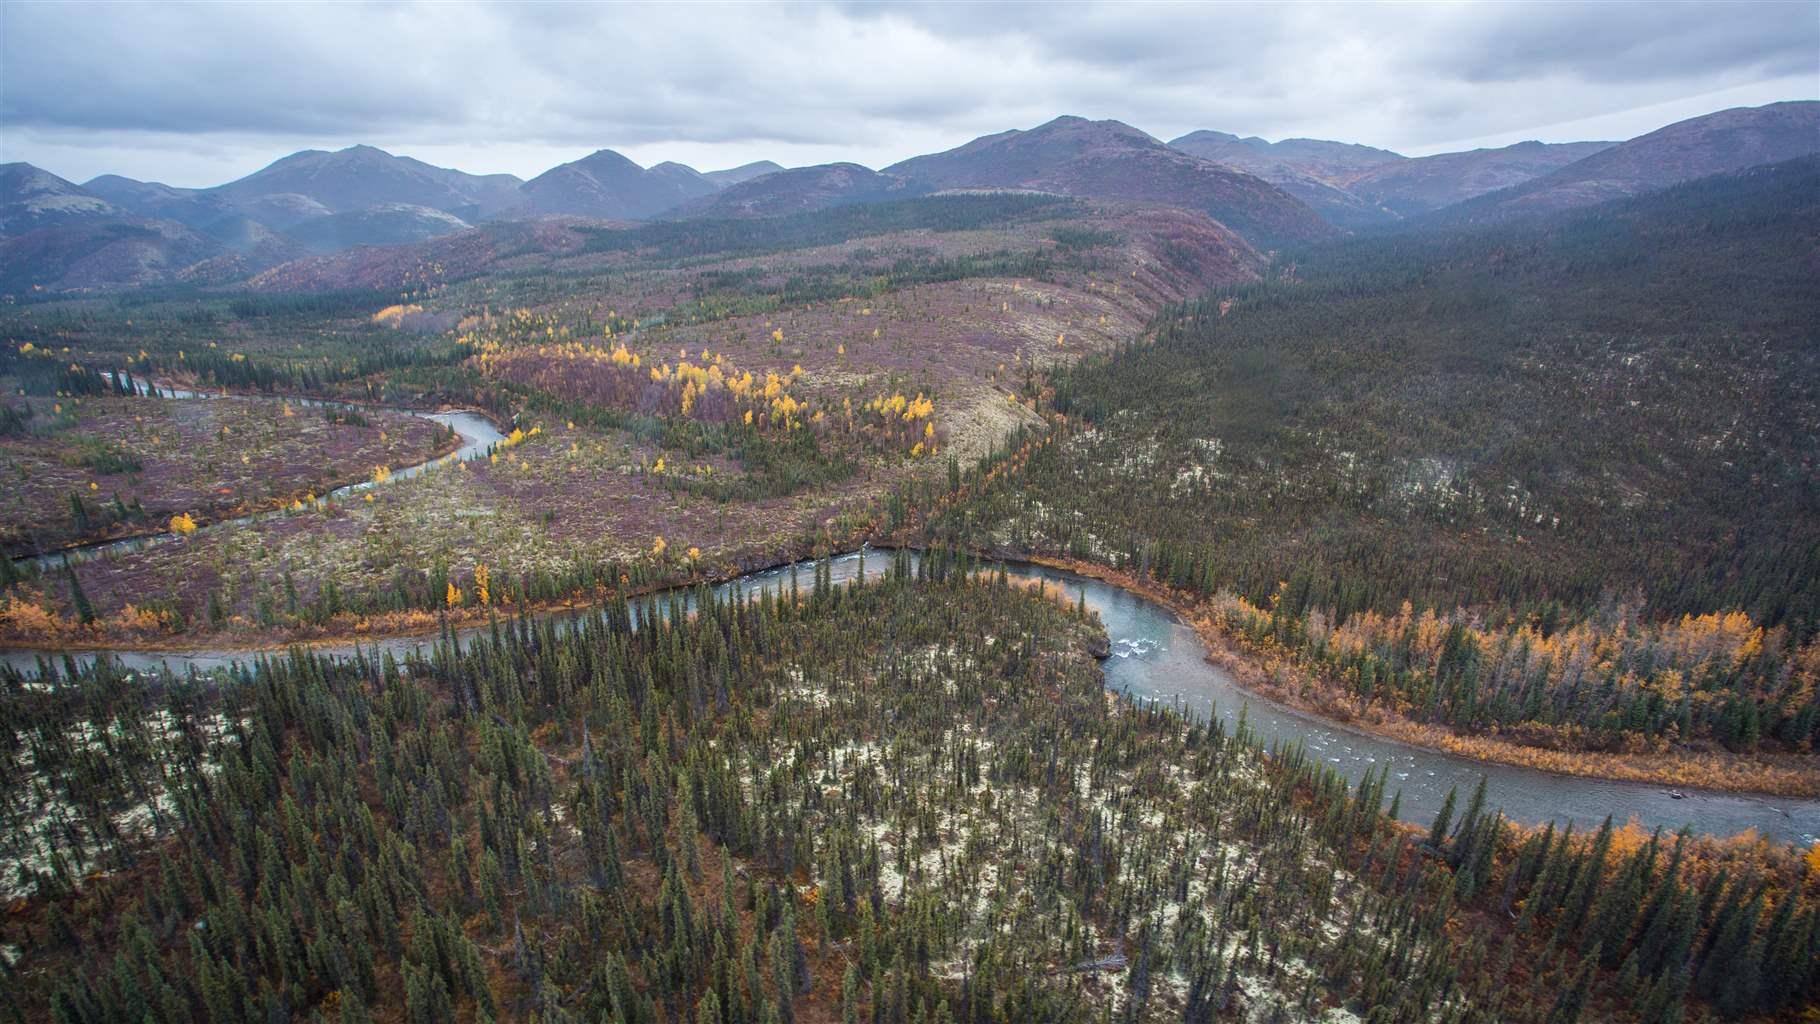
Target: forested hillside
(907, 800)
(674, 401)
(1586, 445)
(1060, 577)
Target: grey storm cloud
(872, 82)
(197, 70)
(1644, 42)
(1479, 42)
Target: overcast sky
(198, 95)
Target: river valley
(1156, 656)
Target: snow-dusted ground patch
(986, 850)
(45, 834)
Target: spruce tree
(1437, 832)
(85, 612)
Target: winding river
(1155, 656)
(477, 433)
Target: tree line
(905, 800)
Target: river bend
(1156, 656)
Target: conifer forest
(1070, 576)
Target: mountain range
(1358, 186)
(1729, 140)
(611, 187)
(1108, 159)
(116, 231)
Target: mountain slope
(744, 172)
(1718, 143)
(1332, 162)
(99, 253)
(607, 185)
(32, 198)
(282, 210)
(387, 224)
(155, 201)
(802, 189)
(361, 177)
(682, 178)
(458, 256)
(1408, 188)
(1312, 170)
(1107, 159)
(1555, 412)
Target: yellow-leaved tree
(481, 579)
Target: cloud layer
(197, 94)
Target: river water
(1155, 656)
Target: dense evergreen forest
(1556, 476)
(905, 800)
(1552, 482)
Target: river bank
(64, 637)
(1279, 678)
(1156, 656)
(1269, 674)
(472, 434)
(203, 519)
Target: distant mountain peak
(122, 181)
(1205, 135)
(611, 157)
(32, 197)
(744, 172)
(1106, 127)
(1419, 186)
(1072, 155)
(802, 189)
(363, 176)
(608, 185)
(1698, 147)
(1316, 171)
